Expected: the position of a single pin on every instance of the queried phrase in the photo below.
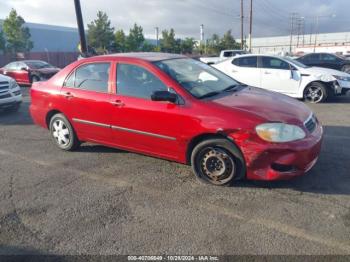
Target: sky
(271, 17)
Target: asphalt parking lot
(105, 201)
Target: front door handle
(68, 95)
(118, 103)
(267, 73)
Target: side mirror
(164, 96)
(25, 68)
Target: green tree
(214, 44)
(168, 43)
(120, 41)
(17, 35)
(228, 41)
(2, 41)
(148, 47)
(135, 40)
(187, 46)
(100, 33)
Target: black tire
(316, 93)
(65, 138)
(218, 162)
(35, 78)
(346, 69)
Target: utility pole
(202, 41)
(157, 35)
(242, 22)
(83, 44)
(316, 32)
(250, 25)
(303, 29)
(292, 17)
(299, 29)
(202, 33)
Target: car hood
(46, 70)
(318, 71)
(271, 106)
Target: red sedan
(28, 71)
(176, 108)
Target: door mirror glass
(164, 96)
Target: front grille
(5, 96)
(4, 85)
(311, 124)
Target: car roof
(249, 55)
(148, 56)
(31, 61)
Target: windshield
(38, 64)
(295, 62)
(196, 77)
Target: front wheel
(63, 133)
(218, 162)
(315, 93)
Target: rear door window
(250, 61)
(93, 77)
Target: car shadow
(20, 117)
(331, 174)
(11, 251)
(345, 99)
(92, 148)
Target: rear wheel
(63, 133)
(346, 69)
(218, 162)
(315, 93)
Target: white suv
(10, 94)
(286, 76)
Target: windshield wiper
(227, 89)
(209, 95)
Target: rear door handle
(68, 95)
(267, 73)
(118, 103)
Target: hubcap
(314, 94)
(61, 133)
(217, 165)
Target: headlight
(326, 78)
(342, 78)
(279, 132)
(13, 84)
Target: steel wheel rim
(314, 94)
(61, 133)
(217, 165)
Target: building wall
(49, 38)
(275, 45)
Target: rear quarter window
(251, 61)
